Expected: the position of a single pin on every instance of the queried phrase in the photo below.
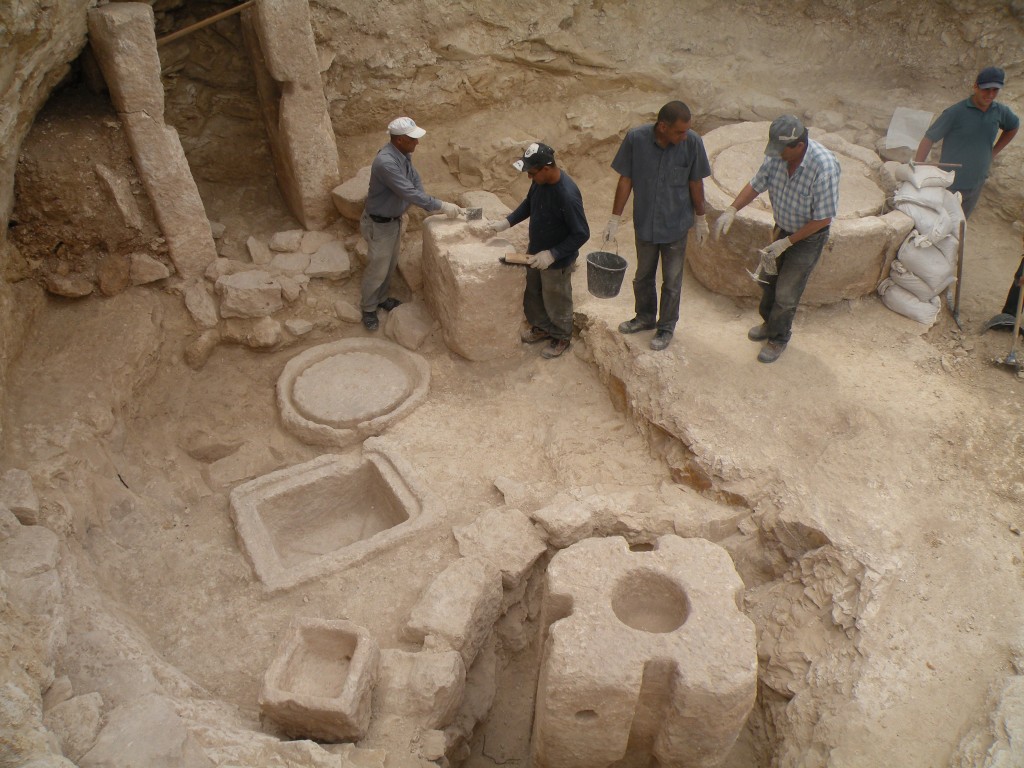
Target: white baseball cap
(405, 126)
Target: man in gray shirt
(664, 165)
(394, 186)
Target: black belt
(383, 219)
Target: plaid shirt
(810, 194)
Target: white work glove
(724, 222)
(541, 260)
(611, 228)
(775, 249)
(451, 210)
(496, 225)
(700, 229)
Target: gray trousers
(547, 301)
(781, 295)
(383, 242)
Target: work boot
(388, 304)
(370, 321)
(661, 340)
(634, 326)
(555, 348)
(758, 332)
(770, 352)
(534, 335)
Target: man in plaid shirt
(802, 179)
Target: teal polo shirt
(967, 136)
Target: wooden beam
(204, 23)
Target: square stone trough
(320, 684)
(327, 514)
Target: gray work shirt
(395, 185)
(662, 208)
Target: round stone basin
(341, 393)
(862, 242)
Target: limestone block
(38, 595)
(292, 286)
(144, 269)
(71, 286)
(477, 299)
(504, 537)
(249, 294)
(409, 325)
(19, 496)
(223, 266)
(290, 262)
(279, 37)
(861, 243)
(481, 687)
(347, 311)
(314, 241)
(424, 687)
(120, 193)
(32, 549)
(459, 608)
(201, 304)
(76, 722)
(330, 261)
(297, 326)
(9, 524)
(284, 242)
(258, 251)
(566, 523)
(113, 274)
(217, 230)
(147, 732)
(320, 682)
(60, 690)
(124, 44)
(647, 656)
(350, 196)
(199, 349)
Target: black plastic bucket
(604, 273)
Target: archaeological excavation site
(243, 524)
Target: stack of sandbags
(926, 263)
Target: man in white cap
(394, 185)
(802, 179)
(972, 132)
(558, 227)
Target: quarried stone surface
(339, 393)
(459, 608)
(477, 299)
(328, 514)
(647, 655)
(249, 294)
(862, 241)
(504, 538)
(19, 495)
(320, 684)
(422, 689)
(350, 196)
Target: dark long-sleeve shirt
(395, 185)
(557, 220)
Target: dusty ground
(878, 466)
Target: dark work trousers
(645, 291)
(547, 300)
(1010, 307)
(780, 297)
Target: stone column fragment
(647, 655)
(279, 36)
(124, 42)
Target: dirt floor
(871, 481)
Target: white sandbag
(936, 212)
(907, 304)
(907, 280)
(928, 263)
(923, 176)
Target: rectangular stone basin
(325, 515)
(320, 684)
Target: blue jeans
(547, 300)
(645, 292)
(779, 298)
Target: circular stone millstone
(346, 389)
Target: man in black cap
(558, 227)
(972, 132)
(802, 179)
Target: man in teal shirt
(972, 132)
